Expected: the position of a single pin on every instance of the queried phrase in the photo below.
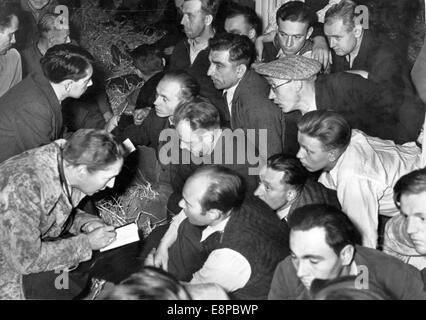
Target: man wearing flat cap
(296, 86)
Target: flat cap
(292, 67)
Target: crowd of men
(281, 160)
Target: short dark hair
(330, 127)
(241, 48)
(340, 231)
(296, 11)
(149, 284)
(345, 10)
(295, 174)
(148, 58)
(190, 88)
(412, 183)
(96, 149)
(200, 113)
(248, 13)
(226, 189)
(66, 62)
(7, 12)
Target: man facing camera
(324, 244)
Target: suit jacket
(315, 193)
(252, 109)
(30, 116)
(381, 60)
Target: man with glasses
(296, 86)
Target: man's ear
(67, 84)
(214, 214)
(298, 85)
(252, 34)
(357, 30)
(291, 195)
(241, 70)
(333, 155)
(346, 254)
(208, 19)
(309, 33)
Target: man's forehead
(219, 56)
(236, 21)
(293, 27)
(309, 242)
(191, 6)
(413, 204)
(335, 26)
(168, 88)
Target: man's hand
(112, 123)
(139, 115)
(321, 51)
(92, 225)
(158, 258)
(107, 116)
(101, 237)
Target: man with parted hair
(362, 169)
(10, 59)
(30, 113)
(284, 186)
(39, 192)
(325, 245)
(405, 234)
(223, 237)
(244, 91)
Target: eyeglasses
(276, 87)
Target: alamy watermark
(219, 147)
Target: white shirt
(230, 96)
(364, 177)
(225, 267)
(283, 213)
(195, 48)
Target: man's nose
(210, 71)
(258, 192)
(300, 154)
(272, 95)
(13, 40)
(290, 41)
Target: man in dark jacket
(284, 186)
(223, 237)
(245, 92)
(360, 51)
(30, 113)
(191, 54)
(365, 105)
(325, 245)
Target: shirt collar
(220, 227)
(230, 92)
(283, 213)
